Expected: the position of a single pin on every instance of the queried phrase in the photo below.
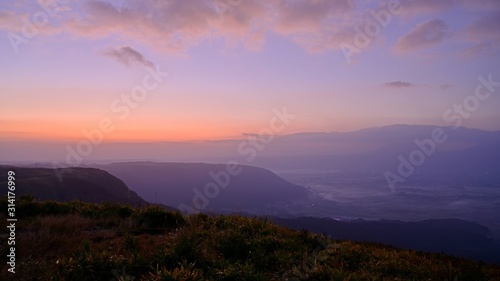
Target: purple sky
(68, 66)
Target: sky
(158, 70)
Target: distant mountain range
(378, 149)
(467, 154)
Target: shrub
(154, 219)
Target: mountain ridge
(76, 183)
(174, 183)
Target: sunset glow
(67, 66)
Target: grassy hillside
(451, 236)
(84, 241)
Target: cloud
(482, 5)
(10, 21)
(54, 6)
(20, 23)
(485, 34)
(481, 49)
(445, 87)
(425, 34)
(176, 26)
(171, 26)
(251, 135)
(399, 85)
(485, 27)
(309, 16)
(320, 25)
(128, 56)
(425, 7)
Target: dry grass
(79, 241)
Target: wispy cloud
(482, 5)
(317, 26)
(128, 56)
(425, 34)
(485, 27)
(426, 7)
(399, 85)
(250, 135)
(9, 20)
(484, 33)
(481, 49)
(445, 87)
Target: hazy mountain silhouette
(85, 184)
(468, 153)
(179, 183)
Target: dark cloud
(128, 56)
(399, 85)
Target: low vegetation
(84, 241)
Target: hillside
(451, 236)
(173, 184)
(84, 241)
(85, 184)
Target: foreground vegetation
(83, 241)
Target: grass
(84, 241)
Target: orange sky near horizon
(220, 76)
